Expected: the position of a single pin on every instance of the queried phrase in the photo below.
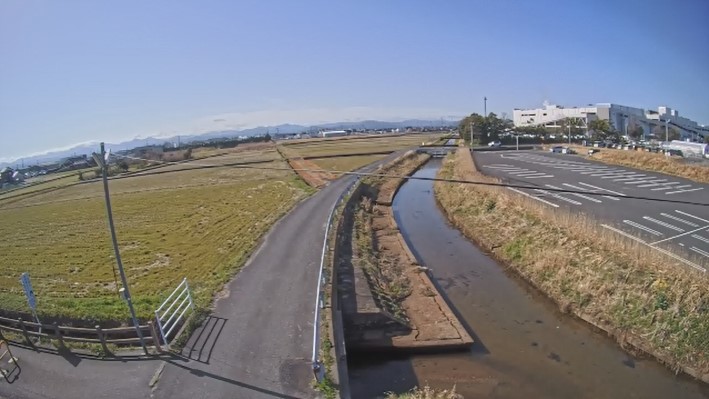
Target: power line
(406, 177)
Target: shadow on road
(201, 344)
(202, 373)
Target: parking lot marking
(692, 216)
(682, 186)
(639, 181)
(576, 194)
(662, 188)
(669, 226)
(679, 235)
(601, 188)
(533, 197)
(641, 227)
(679, 219)
(538, 177)
(684, 191)
(570, 201)
(699, 251)
(668, 253)
(700, 238)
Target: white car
(495, 143)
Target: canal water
(524, 347)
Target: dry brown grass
(640, 298)
(653, 162)
(426, 393)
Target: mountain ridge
(287, 128)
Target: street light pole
(485, 106)
(569, 133)
(471, 135)
(667, 135)
(126, 292)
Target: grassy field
(201, 224)
(356, 144)
(653, 162)
(346, 164)
(637, 296)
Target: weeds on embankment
(426, 393)
(627, 289)
(653, 162)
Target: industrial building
(623, 118)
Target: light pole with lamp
(667, 134)
(102, 161)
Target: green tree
(636, 132)
(601, 128)
(485, 128)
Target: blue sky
(77, 71)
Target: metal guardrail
(170, 318)
(318, 370)
(95, 335)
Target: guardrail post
(162, 332)
(154, 336)
(189, 294)
(26, 334)
(58, 333)
(102, 338)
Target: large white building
(622, 118)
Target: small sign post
(29, 293)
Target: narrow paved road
(256, 344)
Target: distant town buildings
(623, 118)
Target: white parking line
(661, 223)
(684, 191)
(692, 216)
(683, 186)
(533, 197)
(662, 188)
(668, 253)
(679, 220)
(601, 188)
(679, 235)
(629, 178)
(700, 238)
(641, 227)
(522, 171)
(699, 251)
(638, 181)
(538, 177)
(557, 196)
(576, 194)
(526, 174)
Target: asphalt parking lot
(669, 214)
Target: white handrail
(318, 297)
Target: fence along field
(200, 224)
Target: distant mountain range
(88, 148)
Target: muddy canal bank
(524, 347)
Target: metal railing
(96, 335)
(169, 318)
(318, 370)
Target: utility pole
(471, 135)
(667, 134)
(569, 126)
(485, 107)
(103, 163)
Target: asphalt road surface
(680, 231)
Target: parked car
(567, 150)
(556, 148)
(495, 143)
